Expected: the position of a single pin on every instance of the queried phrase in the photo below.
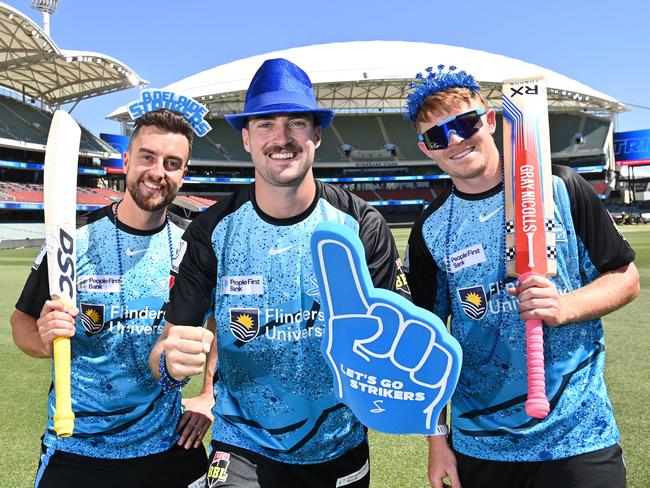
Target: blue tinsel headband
(432, 82)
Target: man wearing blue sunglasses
(456, 268)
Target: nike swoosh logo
(134, 252)
(485, 218)
(279, 250)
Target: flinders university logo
(92, 317)
(473, 301)
(245, 323)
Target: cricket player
(127, 426)
(456, 267)
(277, 420)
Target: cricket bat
(60, 202)
(530, 238)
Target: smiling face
(155, 165)
(282, 148)
(472, 163)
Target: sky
(163, 41)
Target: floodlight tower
(47, 7)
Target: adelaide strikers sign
(394, 364)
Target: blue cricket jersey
(456, 267)
(120, 410)
(273, 389)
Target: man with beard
(127, 425)
(247, 259)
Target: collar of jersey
(479, 196)
(291, 220)
(132, 230)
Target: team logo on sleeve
(178, 255)
(92, 317)
(218, 470)
(245, 323)
(473, 301)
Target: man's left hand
(196, 420)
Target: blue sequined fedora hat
(279, 86)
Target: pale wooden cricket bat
(60, 202)
(530, 237)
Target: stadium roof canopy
(372, 76)
(33, 65)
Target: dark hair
(166, 120)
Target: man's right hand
(186, 349)
(442, 464)
(56, 320)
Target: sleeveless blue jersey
(456, 267)
(273, 389)
(120, 410)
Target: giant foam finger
(381, 344)
(391, 321)
(338, 269)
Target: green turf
(397, 461)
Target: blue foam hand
(394, 364)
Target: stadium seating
(403, 136)
(330, 148)
(33, 193)
(221, 144)
(566, 129)
(360, 131)
(28, 123)
(205, 149)
(19, 128)
(194, 203)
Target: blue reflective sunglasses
(464, 125)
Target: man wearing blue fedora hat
(247, 259)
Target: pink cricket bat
(530, 239)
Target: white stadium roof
(368, 76)
(33, 65)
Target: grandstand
(370, 148)
(38, 77)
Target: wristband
(441, 429)
(168, 382)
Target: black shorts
(232, 466)
(599, 469)
(174, 468)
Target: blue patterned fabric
(121, 411)
(488, 417)
(273, 389)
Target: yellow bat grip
(63, 415)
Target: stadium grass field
(396, 461)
